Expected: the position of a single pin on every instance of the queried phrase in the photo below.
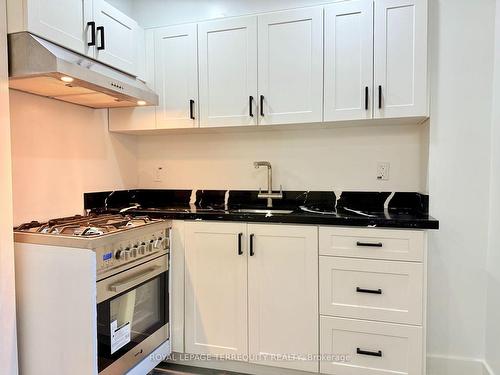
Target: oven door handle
(136, 279)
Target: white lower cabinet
(307, 298)
(252, 291)
(372, 301)
(357, 347)
(216, 289)
(283, 295)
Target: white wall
(60, 151)
(8, 341)
(493, 260)
(317, 159)
(461, 35)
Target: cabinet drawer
(371, 289)
(372, 243)
(369, 348)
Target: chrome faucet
(269, 195)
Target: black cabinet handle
(91, 25)
(366, 98)
(379, 96)
(101, 30)
(369, 244)
(250, 106)
(369, 291)
(240, 251)
(366, 352)
(191, 109)
(262, 105)
(251, 246)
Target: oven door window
(129, 318)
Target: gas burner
(93, 225)
(90, 231)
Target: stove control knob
(142, 248)
(119, 254)
(125, 255)
(133, 252)
(158, 242)
(151, 245)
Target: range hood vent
(43, 68)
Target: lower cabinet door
(283, 296)
(358, 347)
(216, 289)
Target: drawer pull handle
(91, 25)
(366, 98)
(250, 106)
(191, 109)
(380, 97)
(103, 38)
(252, 252)
(240, 250)
(366, 352)
(369, 244)
(370, 291)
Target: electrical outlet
(383, 171)
(158, 174)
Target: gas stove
(111, 266)
(86, 226)
(119, 241)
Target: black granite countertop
(360, 209)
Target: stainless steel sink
(262, 211)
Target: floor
(171, 369)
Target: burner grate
(85, 226)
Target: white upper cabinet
(130, 120)
(348, 60)
(216, 288)
(400, 60)
(63, 22)
(176, 76)
(118, 38)
(283, 294)
(228, 72)
(291, 66)
(90, 27)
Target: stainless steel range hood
(43, 68)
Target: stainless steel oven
(132, 315)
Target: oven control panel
(128, 251)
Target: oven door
(132, 315)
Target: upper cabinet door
(400, 81)
(228, 72)
(283, 294)
(348, 60)
(176, 75)
(291, 66)
(63, 22)
(118, 38)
